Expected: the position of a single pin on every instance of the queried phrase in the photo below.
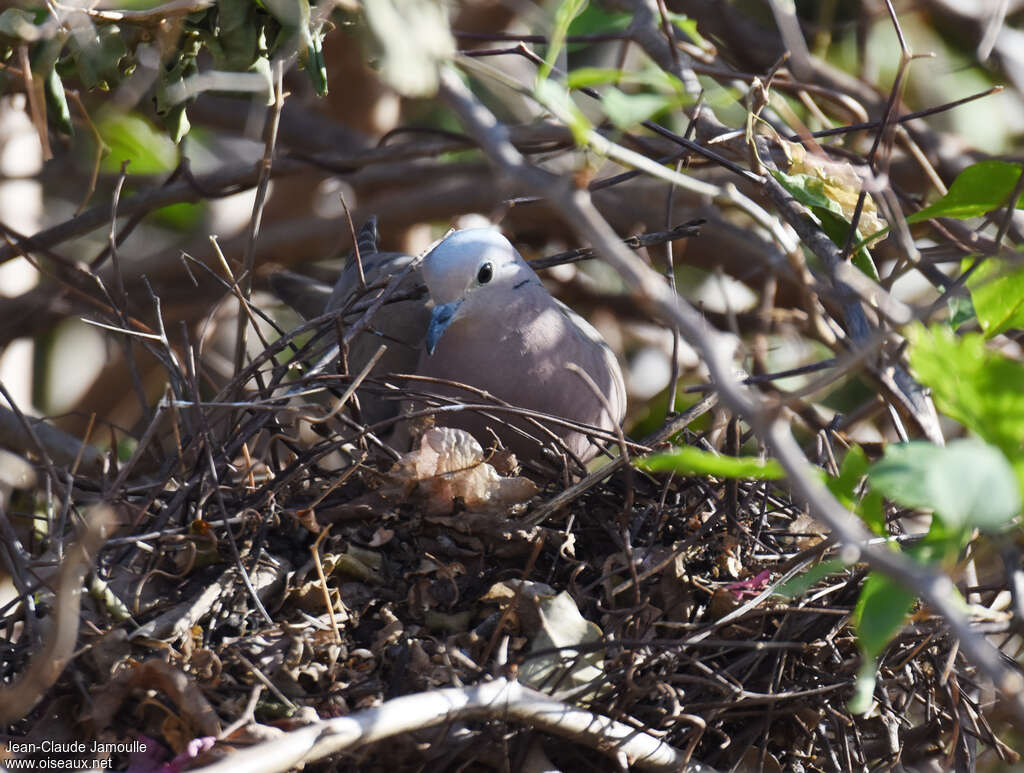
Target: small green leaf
(97, 53)
(183, 216)
(652, 77)
(977, 387)
(628, 110)
(688, 26)
(966, 483)
(567, 11)
(556, 99)
(881, 609)
(44, 65)
(976, 191)
(177, 123)
(238, 32)
(942, 545)
(806, 189)
(315, 66)
(57, 103)
(837, 228)
(997, 292)
(851, 473)
(126, 446)
(961, 311)
(131, 137)
(843, 488)
(688, 460)
(595, 19)
(802, 583)
(583, 77)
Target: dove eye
(485, 274)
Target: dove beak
(440, 318)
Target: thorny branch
(717, 350)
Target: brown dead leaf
(194, 710)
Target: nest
(263, 563)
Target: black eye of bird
(485, 273)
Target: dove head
(467, 271)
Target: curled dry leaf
(449, 465)
(840, 183)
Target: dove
(494, 326)
(488, 323)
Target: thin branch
(48, 662)
(649, 289)
(266, 165)
(500, 700)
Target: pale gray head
(466, 271)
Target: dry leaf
(841, 184)
(449, 465)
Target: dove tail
(366, 240)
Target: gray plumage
(504, 333)
(491, 324)
(400, 325)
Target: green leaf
(315, 65)
(567, 11)
(653, 77)
(176, 122)
(628, 110)
(977, 387)
(976, 191)
(582, 77)
(802, 583)
(131, 137)
(942, 545)
(837, 228)
(238, 32)
(851, 473)
(44, 65)
(688, 460)
(961, 311)
(556, 99)
(966, 483)
(595, 19)
(843, 488)
(688, 26)
(57, 102)
(997, 292)
(97, 53)
(183, 216)
(881, 609)
(806, 189)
